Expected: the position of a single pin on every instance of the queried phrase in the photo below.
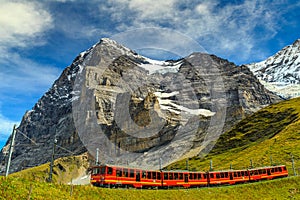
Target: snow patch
(167, 104)
(161, 67)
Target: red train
(116, 176)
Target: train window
(272, 170)
(190, 176)
(235, 174)
(222, 175)
(119, 172)
(166, 177)
(211, 175)
(154, 175)
(260, 171)
(96, 171)
(276, 170)
(226, 174)
(148, 175)
(102, 170)
(170, 176)
(264, 171)
(180, 176)
(280, 169)
(125, 173)
(158, 175)
(176, 176)
(195, 176)
(109, 170)
(144, 174)
(284, 168)
(239, 174)
(131, 173)
(204, 176)
(217, 176)
(199, 176)
(246, 173)
(242, 173)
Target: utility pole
(210, 166)
(293, 165)
(160, 164)
(52, 160)
(271, 160)
(187, 164)
(11, 148)
(97, 156)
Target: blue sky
(38, 39)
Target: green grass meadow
(269, 136)
(17, 188)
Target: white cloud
(205, 8)
(223, 28)
(152, 9)
(24, 75)
(6, 127)
(22, 23)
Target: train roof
(257, 168)
(120, 166)
(182, 171)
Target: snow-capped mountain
(112, 98)
(280, 73)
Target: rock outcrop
(135, 110)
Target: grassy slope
(16, 188)
(272, 132)
(64, 170)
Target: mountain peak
(281, 72)
(137, 109)
(108, 42)
(297, 42)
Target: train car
(183, 179)
(117, 176)
(268, 173)
(230, 177)
(198, 179)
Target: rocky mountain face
(281, 73)
(137, 111)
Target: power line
(26, 136)
(12, 144)
(65, 149)
(43, 142)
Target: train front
(98, 174)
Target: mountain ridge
(172, 97)
(281, 72)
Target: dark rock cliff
(109, 92)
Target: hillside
(272, 133)
(65, 170)
(16, 188)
